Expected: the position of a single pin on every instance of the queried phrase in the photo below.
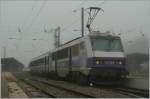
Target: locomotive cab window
(106, 43)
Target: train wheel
(91, 84)
(90, 81)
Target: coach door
(55, 57)
(50, 62)
(45, 63)
(70, 60)
(82, 54)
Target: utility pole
(57, 37)
(4, 48)
(82, 21)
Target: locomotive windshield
(106, 44)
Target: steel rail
(66, 89)
(35, 85)
(135, 92)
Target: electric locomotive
(95, 58)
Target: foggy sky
(131, 18)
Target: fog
(22, 24)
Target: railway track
(56, 91)
(29, 89)
(32, 91)
(131, 92)
(59, 91)
(62, 89)
(96, 93)
(134, 92)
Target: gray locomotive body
(93, 58)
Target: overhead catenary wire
(102, 3)
(133, 29)
(20, 29)
(74, 22)
(28, 15)
(45, 30)
(65, 28)
(32, 21)
(38, 13)
(71, 11)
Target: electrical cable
(75, 20)
(28, 15)
(70, 25)
(133, 29)
(76, 7)
(33, 20)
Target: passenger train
(97, 57)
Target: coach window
(42, 61)
(39, 61)
(59, 55)
(63, 53)
(47, 59)
(53, 57)
(75, 50)
(82, 46)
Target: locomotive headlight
(97, 62)
(120, 62)
(113, 62)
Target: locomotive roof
(79, 39)
(70, 43)
(41, 56)
(76, 40)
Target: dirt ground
(10, 87)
